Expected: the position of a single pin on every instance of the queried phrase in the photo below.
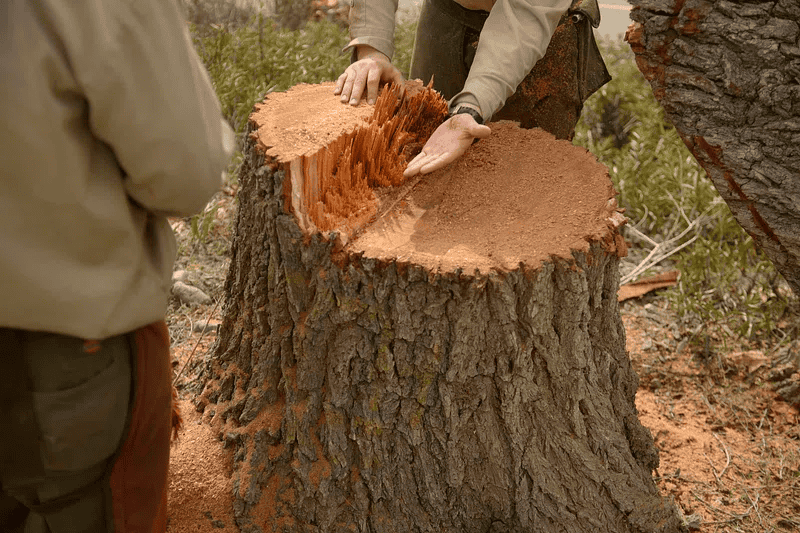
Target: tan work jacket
(514, 37)
(109, 123)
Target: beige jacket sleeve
(108, 122)
(134, 60)
(513, 39)
(372, 23)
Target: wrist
(468, 109)
(365, 51)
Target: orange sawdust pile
(200, 484)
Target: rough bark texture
(728, 76)
(366, 394)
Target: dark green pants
(84, 432)
(550, 97)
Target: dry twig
(727, 458)
(202, 333)
(666, 248)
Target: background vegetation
(727, 288)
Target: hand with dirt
(448, 143)
(371, 69)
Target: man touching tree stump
(531, 61)
(439, 353)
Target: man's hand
(448, 143)
(371, 69)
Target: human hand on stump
(371, 69)
(449, 142)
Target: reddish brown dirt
(520, 196)
(729, 448)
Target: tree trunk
(440, 355)
(726, 73)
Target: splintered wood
(336, 154)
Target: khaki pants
(84, 432)
(550, 97)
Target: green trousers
(84, 432)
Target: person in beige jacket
(533, 61)
(109, 124)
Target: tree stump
(726, 73)
(444, 354)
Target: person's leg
(69, 411)
(551, 96)
(17, 425)
(12, 514)
(103, 414)
(548, 97)
(139, 475)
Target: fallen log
(726, 73)
(444, 354)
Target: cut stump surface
(440, 354)
(520, 197)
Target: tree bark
(392, 360)
(726, 74)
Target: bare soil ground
(729, 447)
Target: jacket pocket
(83, 425)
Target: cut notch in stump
(337, 155)
(457, 364)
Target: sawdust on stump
(519, 197)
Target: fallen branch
(664, 249)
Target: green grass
(724, 280)
(404, 46)
(250, 61)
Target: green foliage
(404, 46)
(249, 61)
(200, 224)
